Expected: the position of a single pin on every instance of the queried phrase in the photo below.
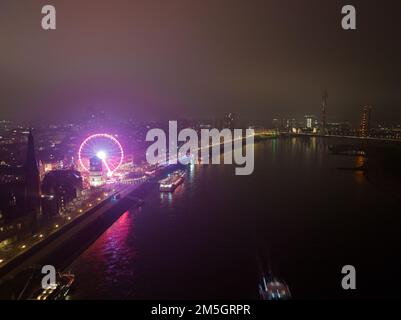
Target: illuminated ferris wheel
(103, 146)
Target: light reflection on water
(310, 217)
(359, 175)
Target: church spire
(31, 165)
(32, 179)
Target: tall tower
(365, 121)
(325, 96)
(32, 179)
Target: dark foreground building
(32, 180)
(59, 187)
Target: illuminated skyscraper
(325, 96)
(365, 121)
(310, 122)
(32, 179)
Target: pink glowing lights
(105, 147)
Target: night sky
(172, 59)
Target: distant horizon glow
(262, 60)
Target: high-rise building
(325, 96)
(310, 122)
(365, 121)
(32, 179)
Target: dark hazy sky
(199, 58)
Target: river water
(204, 241)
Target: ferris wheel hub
(101, 155)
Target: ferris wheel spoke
(109, 171)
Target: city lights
(216, 151)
